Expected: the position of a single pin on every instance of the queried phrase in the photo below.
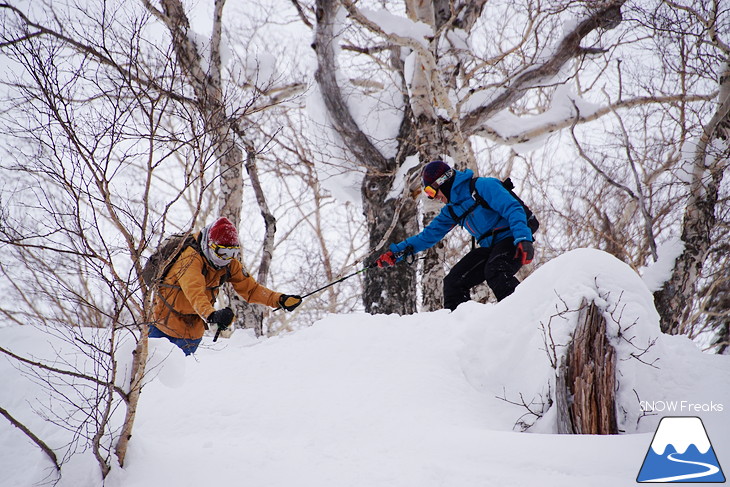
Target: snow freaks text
(680, 407)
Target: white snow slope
(402, 401)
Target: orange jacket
(188, 293)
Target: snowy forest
(306, 123)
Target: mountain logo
(681, 452)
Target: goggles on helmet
(225, 252)
(432, 189)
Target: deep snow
(360, 400)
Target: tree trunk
(139, 362)
(675, 300)
(209, 99)
(386, 290)
(250, 315)
(230, 206)
(586, 384)
(390, 290)
(431, 141)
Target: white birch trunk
(676, 298)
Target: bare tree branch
(41, 444)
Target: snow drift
(359, 400)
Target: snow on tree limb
(426, 64)
(399, 27)
(355, 140)
(567, 49)
(490, 132)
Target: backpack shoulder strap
(475, 194)
(453, 214)
(194, 242)
(459, 219)
(189, 241)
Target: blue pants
(188, 345)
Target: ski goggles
(225, 252)
(432, 189)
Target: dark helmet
(437, 175)
(433, 171)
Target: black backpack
(532, 222)
(161, 260)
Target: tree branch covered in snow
(579, 117)
(531, 76)
(355, 140)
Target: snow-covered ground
(422, 400)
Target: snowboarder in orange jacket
(186, 298)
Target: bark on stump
(586, 385)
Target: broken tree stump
(586, 384)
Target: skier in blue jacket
(505, 240)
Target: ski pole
(407, 253)
(338, 281)
(335, 282)
(218, 332)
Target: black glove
(525, 252)
(289, 302)
(222, 318)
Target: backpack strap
(195, 243)
(532, 223)
(224, 279)
(476, 196)
(459, 219)
(187, 318)
(480, 201)
(483, 203)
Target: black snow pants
(496, 265)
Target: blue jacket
(505, 213)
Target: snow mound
(529, 332)
(429, 399)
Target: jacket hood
(460, 189)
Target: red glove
(386, 260)
(525, 252)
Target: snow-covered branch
(533, 76)
(326, 76)
(541, 126)
(417, 37)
